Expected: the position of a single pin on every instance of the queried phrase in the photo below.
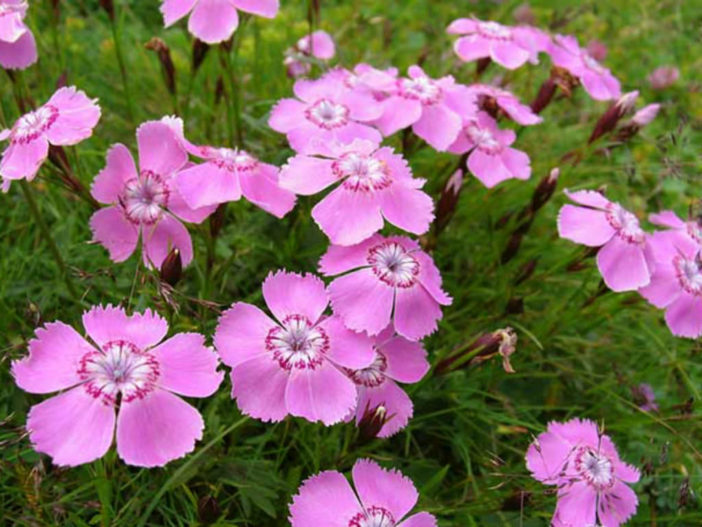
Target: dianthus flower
(491, 99)
(318, 45)
(18, 50)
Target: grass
(579, 354)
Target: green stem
(122, 69)
(34, 208)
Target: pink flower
(597, 80)
(490, 157)
(396, 360)
(18, 50)
(645, 115)
(602, 223)
(365, 78)
(487, 97)
(122, 369)
(597, 50)
(591, 479)
(374, 184)
(644, 397)
(66, 119)
(382, 498)
(663, 77)
(228, 174)
(386, 279)
(214, 21)
(319, 45)
(432, 107)
(676, 281)
(291, 364)
(144, 203)
(510, 47)
(326, 110)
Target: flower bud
(208, 510)
(109, 8)
(448, 200)
(200, 50)
(481, 65)
(545, 189)
(663, 77)
(608, 121)
(640, 119)
(513, 245)
(217, 220)
(372, 422)
(172, 267)
(164, 56)
(543, 98)
(526, 271)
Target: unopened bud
(448, 200)
(62, 81)
(545, 189)
(618, 109)
(109, 8)
(208, 510)
(200, 50)
(481, 65)
(219, 89)
(640, 119)
(164, 56)
(526, 271)
(217, 220)
(172, 267)
(543, 98)
(513, 245)
(372, 421)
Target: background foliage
(579, 354)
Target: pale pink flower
(214, 21)
(326, 110)
(663, 77)
(432, 107)
(598, 222)
(291, 364)
(318, 45)
(387, 279)
(591, 478)
(676, 280)
(396, 360)
(597, 80)
(382, 498)
(18, 50)
(122, 369)
(226, 175)
(144, 203)
(67, 118)
(490, 158)
(375, 185)
(510, 47)
(487, 97)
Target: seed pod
(545, 189)
(618, 109)
(172, 268)
(164, 57)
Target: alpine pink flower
(121, 370)
(214, 21)
(432, 107)
(491, 98)
(226, 175)
(293, 364)
(144, 203)
(598, 222)
(318, 44)
(382, 498)
(67, 118)
(645, 397)
(510, 47)
(18, 50)
(663, 77)
(326, 110)
(591, 479)
(597, 80)
(490, 158)
(676, 281)
(396, 360)
(388, 279)
(374, 184)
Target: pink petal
(430, 278)
(265, 8)
(19, 54)
(664, 287)
(159, 239)
(259, 385)
(320, 45)
(160, 149)
(517, 162)
(77, 116)
(396, 402)
(471, 48)
(684, 316)
(307, 175)
(617, 505)
(114, 232)
(321, 394)
(362, 301)
(422, 519)
(12, 25)
(262, 189)
(23, 160)
(667, 218)
(295, 294)
(586, 226)
(174, 10)
(306, 137)
(53, 360)
(596, 86)
(398, 113)
(105, 324)
(438, 126)
(508, 54)
(213, 21)
(347, 216)
(383, 488)
(241, 333)
(157, 429)
(488, 168)
(310, 506)
(347, 348)
(353, 131)
(180, 208)
(187, 366)
(623, 265)
(589, 198)
(408, 208)
(73, 427)
(406, 360)
(461, 26)
(286, 115)
(416, 312)
(207, 184)
(576, 504)
(339, 259)
(362, 106)
(120, 168)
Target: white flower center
(120, 367)
(595, 468)
(32, 125)
(234, 160)
(625, 223)
(482, 138)
(327, 114)
(361, 172)
(144, 198)
(422, 89)
(393, 265)
(297, 344)
(494, 31)
(373, 517)
(689, 273)
(373, 375)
